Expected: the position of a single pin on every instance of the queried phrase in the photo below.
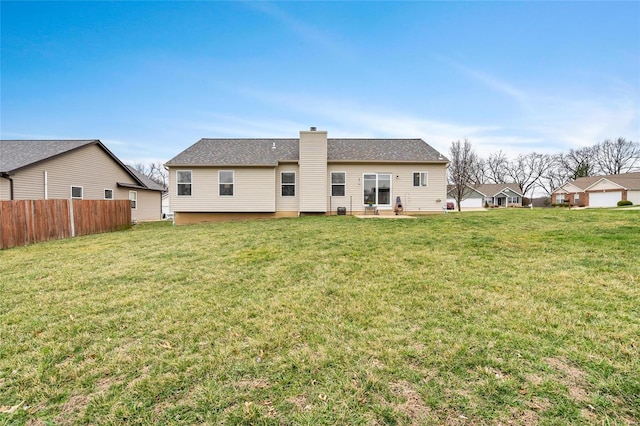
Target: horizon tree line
(536, 170)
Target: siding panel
(253, 191)
(313, 171)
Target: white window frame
(576, 198)
(133, 200)
(178, 183)
(105, 193)
(377, 192)
(344, 185)
(560, 199)
(81, 197)
(294, 184)
(424, 179)
(233, 183)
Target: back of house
(221, 179)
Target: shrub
(559, 204)
(624, 203)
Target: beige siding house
(220, 179)
(599, 191)
(77, 169)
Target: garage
(471, 203)
(634, 197)
(604, 199)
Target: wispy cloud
(302, 29)
(493, 82)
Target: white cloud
(303, 30)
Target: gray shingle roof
(148, 183)
(627, 180)
(16, 154)
(261, 152)
(491, 189)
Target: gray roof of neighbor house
(19, 154)
(16, 154)
(492, 189)
(148, 182)
(627, 180)
(270, 152)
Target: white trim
(233, 183)
(377, 174)
(178, 183)
(426, 179)
(134, 199)
(81, 192)
(331, 184)
(610, 181)
(295, 184)
(105, 193)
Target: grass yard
(499, 317)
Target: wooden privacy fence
(25, 222)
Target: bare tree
(495, 168)
(154, 171)
(617, 156)
(577, 163)
(527, 170)
(555, 176)
(463, 169)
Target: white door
(604, 199)
(471, 203)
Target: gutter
(6, 176)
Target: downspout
(6, 176)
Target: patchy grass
(512, 317)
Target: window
(76, 192)
(576, 198)
(133, 198)
(288, 182)
(338, 184)
(225, 182)
(513, 200)
(420, 178)
(377, 189)
(183, 177)
(108, 194)
(559, 198)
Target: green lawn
(512, 317)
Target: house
(219, 179)
(76, 169)
(599, 191)
(490, 195)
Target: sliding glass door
(376, 189)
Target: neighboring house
(166, 206)
(599, 191)
(490, 195)
(231, 178)
(76, 169)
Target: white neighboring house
(489, 195)
(599, 191)
(221, 179)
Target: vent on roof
(273, 146)
(312, 129)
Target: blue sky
(151, 78)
